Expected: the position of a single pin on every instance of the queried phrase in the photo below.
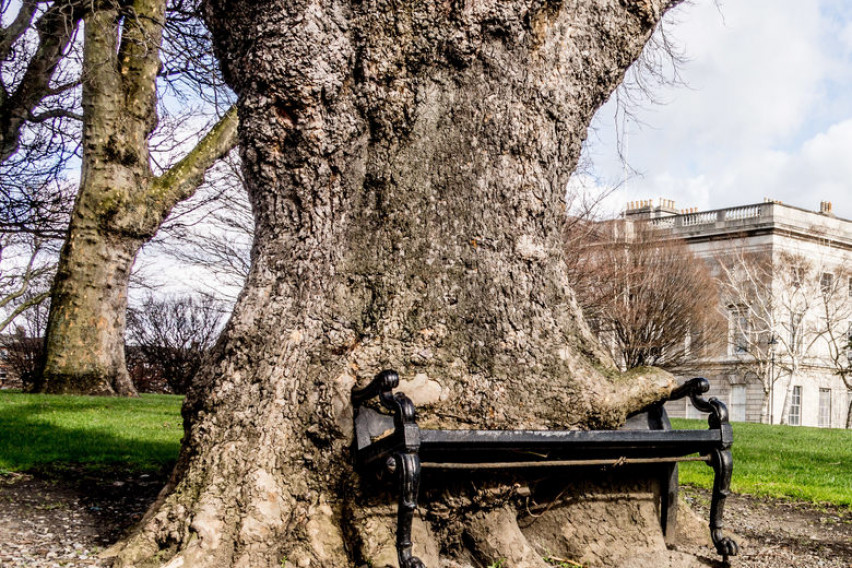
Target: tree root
(496, 536)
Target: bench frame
(395, 444)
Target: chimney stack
(825, 207)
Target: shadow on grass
(43, 433)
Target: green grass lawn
(38, 431)
(813, 464)
(43, 431)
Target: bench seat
(394, 443)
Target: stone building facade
(804, 387)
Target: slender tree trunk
(765, 410)
(406, 165)
(120, 203)
(767, 382)
(849, 410)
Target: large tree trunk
(120, 203)
(407, 165)
(85, 335)
(85, 340)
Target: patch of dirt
(64, 519)
(775, 533)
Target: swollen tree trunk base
(592, 517)
(271, 493)
(407, 165)
(596, 520)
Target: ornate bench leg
(408, 469)
(723, 466)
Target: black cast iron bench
(395, 444)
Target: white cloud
(755, 75)
(767, 111)
(846, 38)
(820, 169)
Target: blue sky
(766, 111)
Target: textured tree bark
(406, 162)
(120, 203)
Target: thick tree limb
(55, 29)
(139, 58)
(59, 89)
(182, 179)
(54, 113)
(13, 32)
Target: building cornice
(769, 218)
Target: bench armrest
(718, 419)
(382, 387)
(696, 386)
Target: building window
(826, 283)
(797, 276)
(738, 403)
(849, 341)
(824, 408)
(739, 330)
(795, 416)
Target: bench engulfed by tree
(395, 445)
(406, 164)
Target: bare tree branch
(182, 179)
(54, 113)
(647, 297)
(55, 28)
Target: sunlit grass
(42, 430)
(813, 464)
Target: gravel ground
(64, 520)
(773, 533)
